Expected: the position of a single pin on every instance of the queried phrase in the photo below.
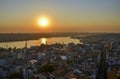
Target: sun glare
(43, 22)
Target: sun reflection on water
(44, 41)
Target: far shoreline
(16, 37)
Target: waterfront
(90, 60)
(53, 40)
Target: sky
(20, 16)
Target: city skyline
(64, 16)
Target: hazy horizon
(20, 16)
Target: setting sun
(43, 22)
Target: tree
(15, 76)
(46, 68)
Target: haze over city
(21, 16)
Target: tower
(25, 44)
(24, 50)
(102, 66)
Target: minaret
(6, 46)
(111, 45)
(26, 44)
(24, 50)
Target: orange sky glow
(61, 16)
